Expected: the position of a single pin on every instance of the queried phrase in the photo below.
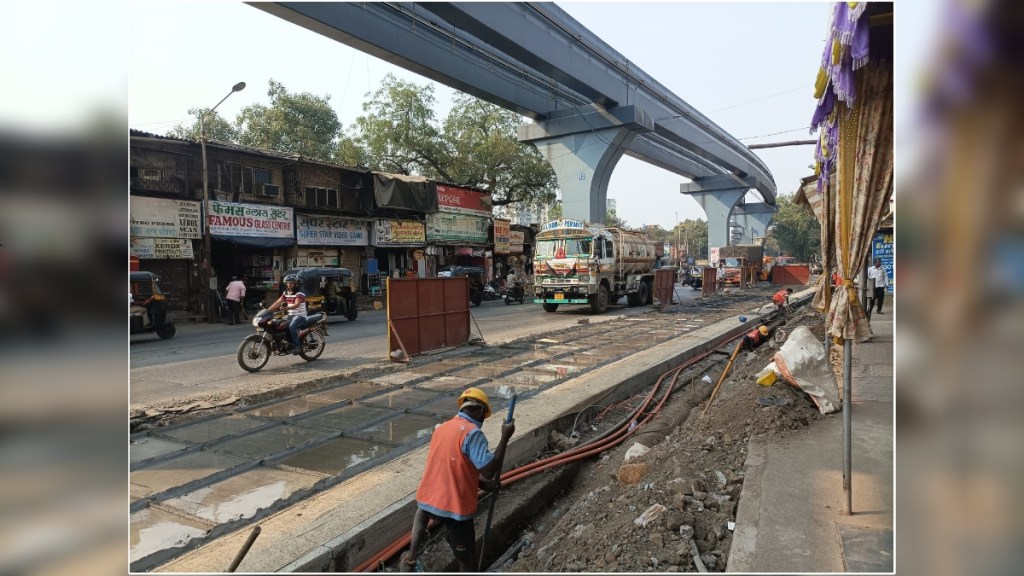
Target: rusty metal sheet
(664, 282)
(427, 314)
(791, 274)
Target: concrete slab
(275, 440)
(407, 428)
(336, 456)
(214, 428)
(287, 408)
(179, 471)
(476, 372)
(243, 495)
(401, 399)
(351, 392)
(346, 418)
(150, 447)
(446, 383)
(867, 550)
(152, 530)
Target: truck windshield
(732, 263)
(564, 248)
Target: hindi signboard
(461, 200)
(501, 236)
(447, 226)
(398, 233)
(163, 218)
(234, 219)
(312, 230)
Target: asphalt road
(199, 362)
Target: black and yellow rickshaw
(476, 280)
(147, 311)
(327, 290)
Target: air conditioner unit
(271, 189)
(149, 174)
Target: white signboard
(163, 218)
(515, 242)
(233, 219)
(161, 248)
(329, 231)
(456, 227)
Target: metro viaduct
(589, 103)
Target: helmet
(292, 278)
(763, 330)
(479, 397)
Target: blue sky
(747, 66)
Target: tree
(693, 235)
(476, 145)
(217, 128)
(303, 123)
(611, 218)
(795, 230)
(555, 210)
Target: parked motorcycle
(272, 337)
(515, 294)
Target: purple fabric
(824, 108)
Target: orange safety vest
(780, 296)
(754, 335)
(450, 481)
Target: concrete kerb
(344, 525)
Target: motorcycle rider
(294, 301)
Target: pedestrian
(781, 298)
(754, 338)
(294, 301)
(720, 276)
(880, 280)
(458, 465)
(235, 295)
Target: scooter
(490, 293)
(515, 294)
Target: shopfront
(502, 239)
(162, 233)
(251, 241)
(332, 241)
(399, 248)
(457, 234)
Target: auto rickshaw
(147, 310)
(327, 290)
(476, 280)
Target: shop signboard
(448, 227)
(881, 248)
(163, 218)
(235, 219)
(461, 200)
(161, 248)
(501, 236)
(516, 239)
(329, 231)
(398, 233)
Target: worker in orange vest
(755, 337)
(458, 465)
(781, 298)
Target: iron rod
(847, 426)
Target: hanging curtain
(860, 194)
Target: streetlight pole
(207, 254)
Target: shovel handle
(511, 408)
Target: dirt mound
(695, 473)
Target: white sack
(803, 363)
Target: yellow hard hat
(479, 397)
(763, 330)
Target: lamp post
(207, 255)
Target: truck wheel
(599, 301)
(549, 307)
(647, 286)
(638, 298)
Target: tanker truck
(579, 263)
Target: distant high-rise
(610, 204)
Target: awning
(255, 241)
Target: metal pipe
(245, 548)
(847, 426)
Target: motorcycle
(272, 337)
(491, 292)
(515, 294)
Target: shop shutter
(351, 258)
(173, 280)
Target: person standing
(294, 302)
(720, 276)
(235, 295)
(458, 465)
(880, 281)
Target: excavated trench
(195, 481)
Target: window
(246, 179)
(321, 197)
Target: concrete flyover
(589, 102)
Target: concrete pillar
(583, 145)
(753, 218)
(717, 195)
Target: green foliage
(693, 237)
(611, 218)
(476, 145)
(795, 230)
(555, 210)
(217, 128)
(302, 123)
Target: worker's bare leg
(419, 529)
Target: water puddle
(243, 495)
(478, 372)
(346, 418)
(260, 445)
(288, 408)
(153, 530)
(403, 429)
(532, 378)
(349, 392)
(402, 399)
(446, 383)
(214, 428)
(336, 456)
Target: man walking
(458, 465)
(234, 294)
(880, 280)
